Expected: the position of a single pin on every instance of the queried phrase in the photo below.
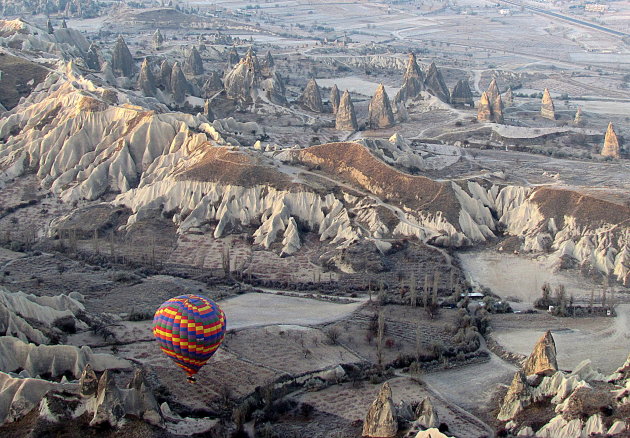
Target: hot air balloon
(189, 329)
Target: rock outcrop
(274, 89)
(122, 61)
(179, 84)
(578, 400)
(53, 360)
(497, 109)
(110, 407)
(269, 62)
(508, 97)
(193, 65)
(207, 110)
(334, 99)
(547, 109)
(413, 81)
(166, 70)
(146, 81)
(462, 95)
(380, 114)
(484, 110)
(543, 358)
(435, 84)
(517, 397)
(380, 421)
(611, 143)
(578, 120)
(427, 416)
(157, 39)
(93, 58)
(490, 110)
(241, 83)
(346, 119)
(311, 98)
(88, 383)
(233, 58)
(213, 85)
(493, 90)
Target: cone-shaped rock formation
(311, 98)
(93, 58)
(547, 109)
(461, 95)
(380, 115)
(346, 118)
(380, 420)
(146, 81)
(517, 397)
(166, 70)
(179, 84)
(158, 39)
(193, 64)
(122, 61)
(413, 81)
(213, 84)
(435, 84)
(543, 358)
(241, 82)
(611, 143)
(334, 99)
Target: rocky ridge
(575, 401)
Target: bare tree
(413, 290)
(379, 338)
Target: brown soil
(16, 75)
(223, 165)
(586, 209)
(354, 163)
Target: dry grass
(226, 166)
(586, 209)
(16, 75)
(355, 164)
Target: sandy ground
(604, 341)
(251, 310)
(510, 275)
(356, 84)
(473, 386)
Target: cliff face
(380, 111)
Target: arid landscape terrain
(415, 216)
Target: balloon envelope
(189, 329)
